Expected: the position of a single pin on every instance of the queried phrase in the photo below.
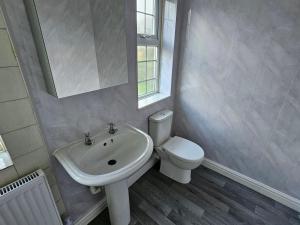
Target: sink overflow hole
(112, 162)
(104, 144)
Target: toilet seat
(183, 149)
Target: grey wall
(65, 120)
(19, 127)
(238, 92)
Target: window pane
(151, 53)
(147, 51)
(142, 71)
(150, 7)
(140, 20)
(141, 53)
(150, 25)
(142, 88)
(151, 86)
(151, 69)
(140, 5)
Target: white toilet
(178, 156)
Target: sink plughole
(109, 161)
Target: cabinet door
(81, 43)
(67, 32)
(110, 41)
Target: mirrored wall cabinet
(81, 44)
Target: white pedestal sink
(109, 161)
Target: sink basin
(109, 161)
(111, 158)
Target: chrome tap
(112, 130)
(87, 139)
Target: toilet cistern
(178, 155)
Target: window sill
(152, 99)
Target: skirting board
(100, 206)
(255, 185)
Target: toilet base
(174, 172)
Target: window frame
(152, 40)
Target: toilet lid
(183, 149)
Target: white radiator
(28, 201)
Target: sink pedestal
(109, 161)
(117, 198)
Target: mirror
(5, 160)
(81, 44)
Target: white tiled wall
(12, 84)
(27, 163)
(19, 127)
(8, 175)
(31, 141)
(7, 56)
(15, 114)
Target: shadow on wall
(238, 92)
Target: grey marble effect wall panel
(69, 39)
(167, 45)
(65, 120)
(238, 92)
(110, 42)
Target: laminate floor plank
(203, 198)
(180, 205)
(179, 219)
(157, 199)
(211, 176)
(209, 199)
(294, 221)
(220, 217)
(151, 212)
(268, 217)
(167, 198)
(287, 211)
(178, 197)
(236, 209)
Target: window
(5, 160)
(148, 41)
(156, 26)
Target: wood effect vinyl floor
(209, 199)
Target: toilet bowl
(178, 155)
